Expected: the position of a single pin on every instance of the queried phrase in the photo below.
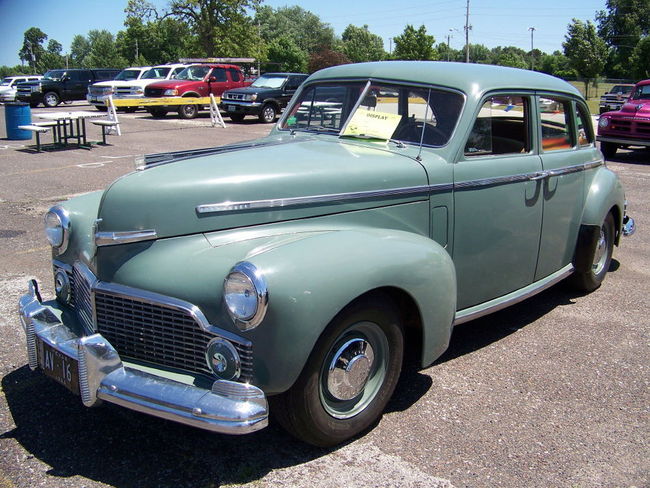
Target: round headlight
(57, 228)
(603, 122)
(245, 295)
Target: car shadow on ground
(633, 156)
(126, 449)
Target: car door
(567, 149)
(220, 83)
(497, 201)
(77, 84)
(289, 89)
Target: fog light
(62, 286)
(223, 359)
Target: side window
(176, 71)
(556, 127)
(234, 74)
(219, 74)
(501, 127)
(583, 124)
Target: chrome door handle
(538, 176)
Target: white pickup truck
(132, 87)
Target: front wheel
(608, 149)
(188, 111)
(599, 254)
(237, 117)
(51, 99)
(268, 114)
(349, 376)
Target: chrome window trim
(124, 237)
(229, 206)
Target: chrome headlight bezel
(603, 122)
(57, 228)
(171, 92)
(249, 315)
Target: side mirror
(65, 78)
(212, 79)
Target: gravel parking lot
(553, 392)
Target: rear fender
(604, 194)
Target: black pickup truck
(62, 85)
(265, 98)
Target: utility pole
(467, 29)
(390, 46)
(532, 56)
(449, 36)
(137, 53)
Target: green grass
(594, 93)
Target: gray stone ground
(550, 393)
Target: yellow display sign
(370, 123)
(147, 102)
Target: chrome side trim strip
(316, 199)
(125, 237)
(500, 303)
(229, 206)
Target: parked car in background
(99, 92)
(265, 98)
(630, 126)
(135, 88)
(615, 98)
(62, 85)
(391, 202)
(198, 80)
(9, 84)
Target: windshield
(6, 82)
(128, 74)
(269, 81)
(370, 110)
(54, 75)
(156, 74)
(641, 93)
(194, 73)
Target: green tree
(79, 50)
(586, 51)
(306, 29)
(415, 45)
(52, 58)
(640, 59)
(622, 25)
(326, 58)
(287, 54)
(359, 44)
(556, 64)
(222, 27)
(103, 53)
(510, 56)
(32, 50)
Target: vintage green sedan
(392, 202)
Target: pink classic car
(630, 126)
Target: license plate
(231, 108)
(58, 366)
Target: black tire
(157, 113)
(237, 117)
(188, 111)
(599, 255)
(51, 99)
(101, 108)
(268, 113)
(328, 405)
(608, 149)
(130, 110)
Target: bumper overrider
(92, 366)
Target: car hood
(636, 108)
(253, 89)
(115, 83)
(170, 84)
(165, 197)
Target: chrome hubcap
(349, 369)
(600, 256)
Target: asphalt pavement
(553, 392)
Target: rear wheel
(188, 111)
(608, 149)
(349, 376)
(598, 256)
(268, 114)
(51, 99)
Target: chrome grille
(82, 296)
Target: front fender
(604, 192)
(312, 279)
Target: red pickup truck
(197, 80)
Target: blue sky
(494, 22)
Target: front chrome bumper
(228, 407)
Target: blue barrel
(18, 113)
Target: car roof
(643, 82)
(283, 74)
(472, 79)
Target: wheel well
(409, 312)
(190, 94)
